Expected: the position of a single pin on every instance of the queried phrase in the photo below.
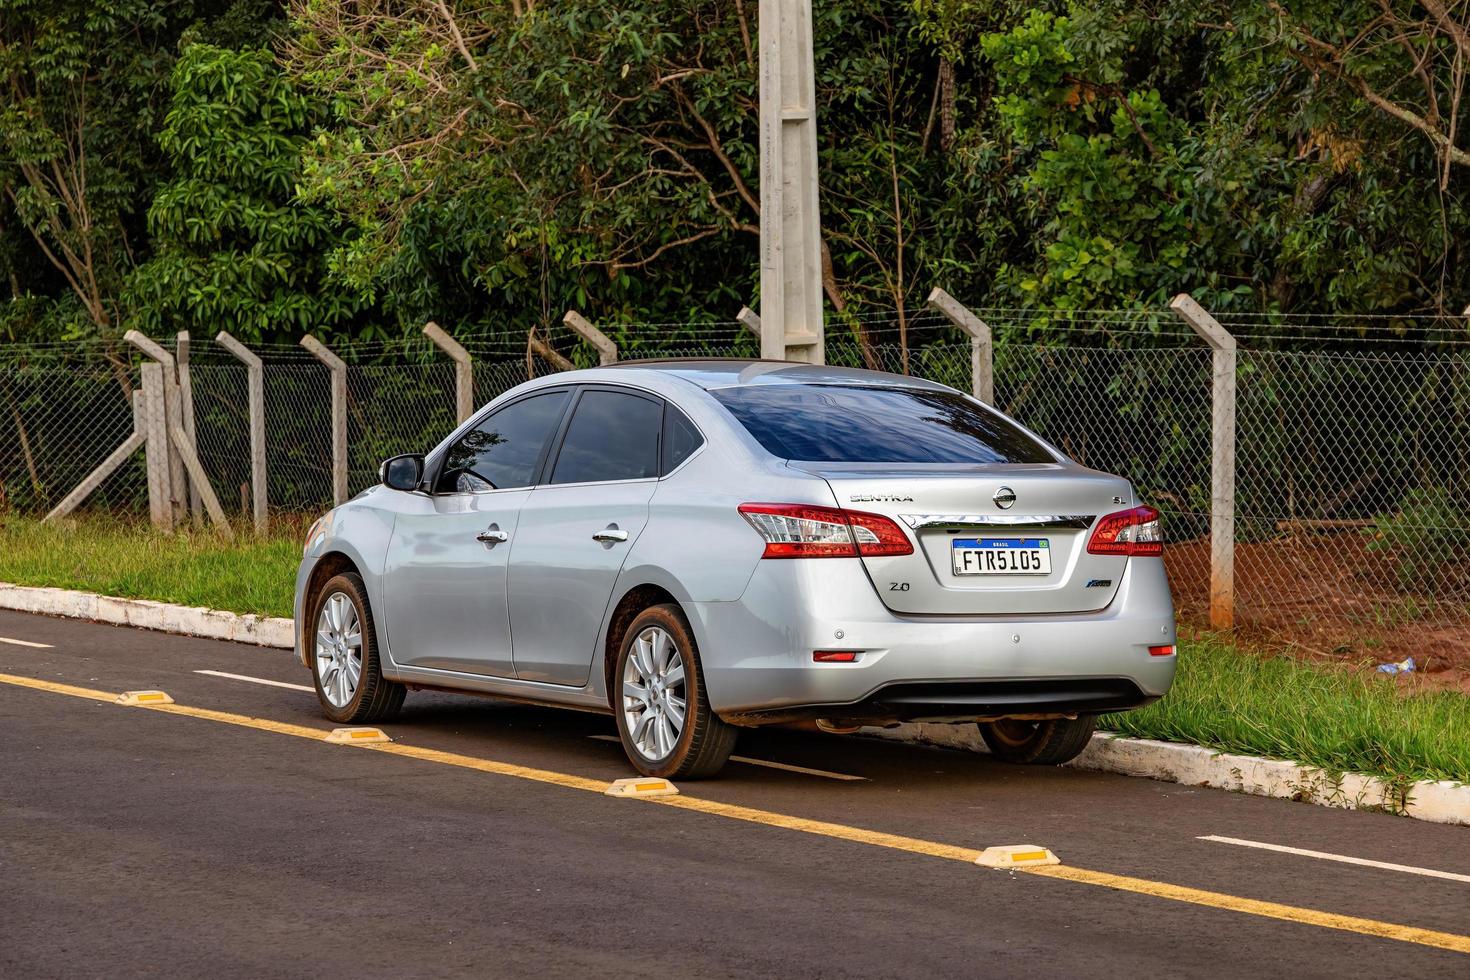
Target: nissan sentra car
(697, 547)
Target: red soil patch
(1328, 598)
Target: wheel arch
(327, 567)
(633, 602)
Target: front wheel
(1038, 743)
(349, 679)
(664, 720)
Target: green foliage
(234, 249)
(407, 159)
(1428, 535)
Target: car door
(446, 567)
(576, 529)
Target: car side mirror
(404, 472)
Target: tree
(233, 247)
(81, 95)
(606, 156)
(1207, 146)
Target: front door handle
(610, 535)
(492, 535)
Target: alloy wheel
(338, 649)
(654, 693)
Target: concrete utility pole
(791, 249)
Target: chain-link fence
(1352, 500)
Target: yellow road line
(1251, 906)
(1140, 886)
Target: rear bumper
(966, 701)
(758, 666)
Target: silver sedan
(701, 546)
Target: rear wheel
(1038, 743)
(664, 719)
(349, 679)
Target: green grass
(1224, 698)
(131, 560)
(1330, 718)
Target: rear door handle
(492, 535)
(610, 535)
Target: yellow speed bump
(643, 786)
(144, 698)
(1016, 856)
(356, 736)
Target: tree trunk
(946, 105)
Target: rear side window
(501, 452)
(852, 424)
(612, 436)
(681, 438)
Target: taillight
(1128, 532)
(805, 531)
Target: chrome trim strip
(964, 522)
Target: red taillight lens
(1128, 532)
(877, 536)
(805, 531)
(1165, 651)
(834, 656)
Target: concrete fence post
(982, 346)
(750, 319)
(338, 368)
(186, 404)
(536, 347)
(168, 488)
(464, 378)
(607, 351)
(255, 386)
(156, 447)
(1222, 457)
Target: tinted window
(502, 451)
(613, 436)
(848, 424)
(681, 438)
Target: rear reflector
(1128, 532)
(806, 531)
(834, 656)
(1167, 651)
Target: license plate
(1001, 556)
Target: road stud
(1016, 856)
(144, 698)
(357, 736)
(642, 786)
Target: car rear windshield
(862, 424)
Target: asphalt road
(230, 841)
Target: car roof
(737, 372)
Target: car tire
(1038, 743)
(340, 614)
(663, 714)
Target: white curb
(1194, 765)
(212, 624)
(1173, 762)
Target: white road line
(25, 643)
(769, 765)
(257, 680)
(1344, 859)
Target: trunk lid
(1055, 506)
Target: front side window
(501, 452)
(866, 424)
(612, 436)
